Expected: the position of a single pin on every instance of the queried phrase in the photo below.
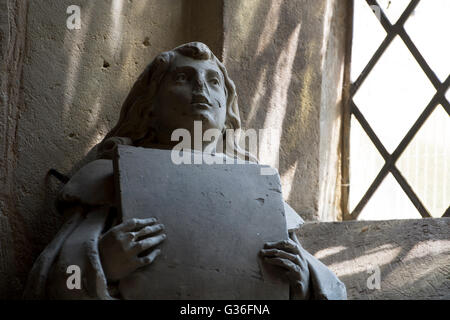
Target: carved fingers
(130, 245)
(286, 245)
(147, 231)
(294, 264)
(287, 255)
(141, 235)
(148, 259)
(143, 245)
(283, 259)
(133, 224)
(146, 239)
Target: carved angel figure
(178, 87)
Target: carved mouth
(201, 105)
(199, 101)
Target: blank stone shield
(217, 218)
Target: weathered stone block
(411, 256)
(217, 218)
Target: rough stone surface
(333, 65)
(217, 218)
(14, 233)
(413, 256)
(286, 58)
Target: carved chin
(206, 118)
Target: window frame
(350, 108)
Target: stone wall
(14, 234)
(287, 59)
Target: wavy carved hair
(136, 116)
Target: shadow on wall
(411, 257)
(122, 45)
(275, 52)
(74, 84)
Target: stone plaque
(217, 218)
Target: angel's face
(191, 90)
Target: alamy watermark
(218, 147)
(377, 10)
(74, 280)
(374, 280)
(73, 22)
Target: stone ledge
(413, 256)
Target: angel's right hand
(121, 248)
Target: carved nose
(199, 85)
(200, 89)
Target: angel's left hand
(287, 255)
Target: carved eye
(181, 77)
(215, 81)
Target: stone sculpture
(179, 87)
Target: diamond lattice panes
(367, 37)
(389, 202)
(425, 163)
(428, 26)
(394, 94)
(393, 9)
(365, 163)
